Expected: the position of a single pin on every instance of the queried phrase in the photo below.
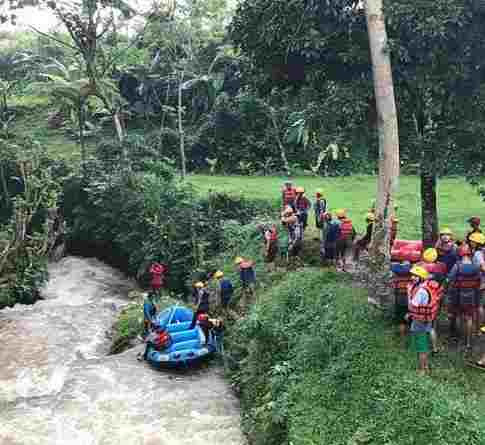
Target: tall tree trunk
(181, 128)
(284, 159)
(429, 208)
(388, 148)
(121, 139)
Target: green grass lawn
(457, 199)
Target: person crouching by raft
(295, 233)
(424, 297)
(320, 207)
(288, 194)
(446, 248)
(225, 289)
(247, 277)
(364, 242)
(149, 313)
(474, 222)
(302, 206)
(463, 293)
(345, 240)
(477, 245)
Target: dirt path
(58, 387)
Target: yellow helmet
(446, 231)
(430, 255)
(199, 285)
(238, 260)
(370, 217)
(420, 272)
(478, 238)
(340, 213)
(219, 274)
(300, 190)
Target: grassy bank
(457, 200)
(318, 366)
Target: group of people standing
(451, 275)
(339, 244)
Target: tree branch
(53, 38)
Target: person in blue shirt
(225, 289)
(332, 235)
(149, 313)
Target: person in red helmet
(464, 292)
(302, 206)
(474, 222)
(157, 271)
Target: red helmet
(464, 250)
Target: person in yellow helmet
(202, 303)
(424, 296)
(224, 290)
(247, 277)
(345, 240)
(476, 242)
(446, 247)
(363, 242)
(320, 207)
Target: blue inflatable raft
(186, 345)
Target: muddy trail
(58, 386)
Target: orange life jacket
(346, 229)
(289, 195)
(426, 312)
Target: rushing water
(58, 386)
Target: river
(58, 386)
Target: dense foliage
(315, 367)
(134, 219)
(29, 222)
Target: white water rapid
(58, 386)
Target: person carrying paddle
(477, 245)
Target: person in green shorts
(424, 297)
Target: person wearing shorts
(331, 237)
(345, 240)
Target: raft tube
(187, 345)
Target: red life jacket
(162, 341)
(303, 203)
(289, 195)
(157, 270)
(273, 235)
(346, 229)
(401, 283)
(426, 312)
(467, 281)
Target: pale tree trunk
(388, 150)
(181, 128)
